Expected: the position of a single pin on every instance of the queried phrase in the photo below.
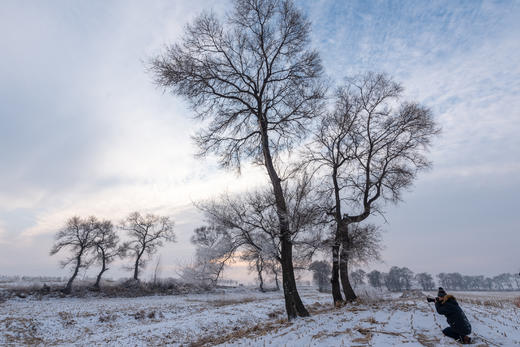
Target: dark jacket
(456, 318)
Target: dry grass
(275, 314)
(240, 333)
(66, 319)
(371, 320)
(365, 331)
(227, 302)
(324, 334)
(365, 339)
(516, 301)
(487, 303)
(21, 331)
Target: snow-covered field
(245, 317)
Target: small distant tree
(516, 278)
(399, 278)
(321, 274)
(214, 249)
(425, 280)
(358, 277)
(257, 264)
(452, 280)
(273, 268)
(406, 278)
(375, 279)
(261, 260)
(78, 236)
(106, 247)
(147, 233)
(504, 281)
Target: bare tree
(147, 233)
(320, 274)
(425, 280)
(358, 277)
(376, 279)
(371, 146)
(273, 268)
(215, 248)
(256, 263)
(78, 236)
(399, 278)
(106, 247)
(253, 223)
(257, 82)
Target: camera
(430, 299)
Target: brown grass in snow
(488, 303)
(227, 302)
(240, 333)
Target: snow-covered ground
(245, 317)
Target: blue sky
(83, 130)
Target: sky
(84, 131)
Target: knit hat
(441, 292)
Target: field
(246, 317)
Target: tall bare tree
(372, 146)
(257, 82)
(106, 247)
(147, 233)
(78, 236)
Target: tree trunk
(68, 287)
(136, 268)
(343, 268)
(276, 280)
(260, 278)
(139, 255)
(336, 290)
(293, 302)
(103, 269)
(334, 280)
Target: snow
(246, 317)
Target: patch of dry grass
(240, 333)
(487, 303)
(227, 302)
(324, 334)
(371, 320)
(427, 341)
(20, 331)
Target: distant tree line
(92, 241)
(402, 278)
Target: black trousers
(450, 332)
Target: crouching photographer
(448, 306)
